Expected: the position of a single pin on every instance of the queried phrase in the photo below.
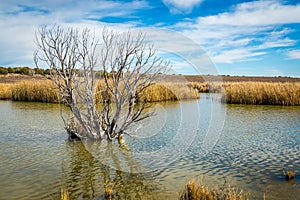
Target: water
(182, 141)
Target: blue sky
(240, 37)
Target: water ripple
(257, 143)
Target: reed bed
(208, 87)
(34, 91)
(169, 92)
(257, 93)
(44, 91)
(197, 190)
(163, 91)
(5, 90)
(262, 93)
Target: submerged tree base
(73, 136)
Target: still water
(241, 145)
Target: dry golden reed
(64, 194)
(169, 92)
(258, 93)
(198, 191)
(206, 87)
(43, 91)
(158, 92)
(262, 93)
(5, 90)
(35, 91)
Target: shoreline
(284, 91)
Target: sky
(252, 38)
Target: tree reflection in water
(84, 176)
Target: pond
(241, 145)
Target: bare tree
(66, 52)
(128, 66)
(134, 67)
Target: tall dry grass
(198, 191)
(158, 92)
(262, 93)
(34, 91)
(207, 87)
(43, 91)
(169, 92)
(268, 93)
(258, 93)
(5, 90)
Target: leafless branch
(129, 66)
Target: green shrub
(3, 71)
(22, 70)
(38, 71)
(11, 70)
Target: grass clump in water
(44, 91)
(162, 91)
(198, 191)
(35, 91)
(262, 93)
(254, 92)
(168, 92)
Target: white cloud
(186, 56)
(286, 42)
(181, 6)
(256, 13)
(245, 33)
(249, 31)
(294, 54)
(19, 21)
(235, 55)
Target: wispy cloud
(247, 32)
(286, 42)
(19, 21)
(257, 13)
(294, 54)
(181, 6)
(235, 55)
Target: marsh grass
(169, 92)
(5, 90)
(163, 91)
(196, 190)
(208, 87)
(257, 93)
(109, 189)
(35, 91)
(44, 91)
(262, 93)
(64, 194)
